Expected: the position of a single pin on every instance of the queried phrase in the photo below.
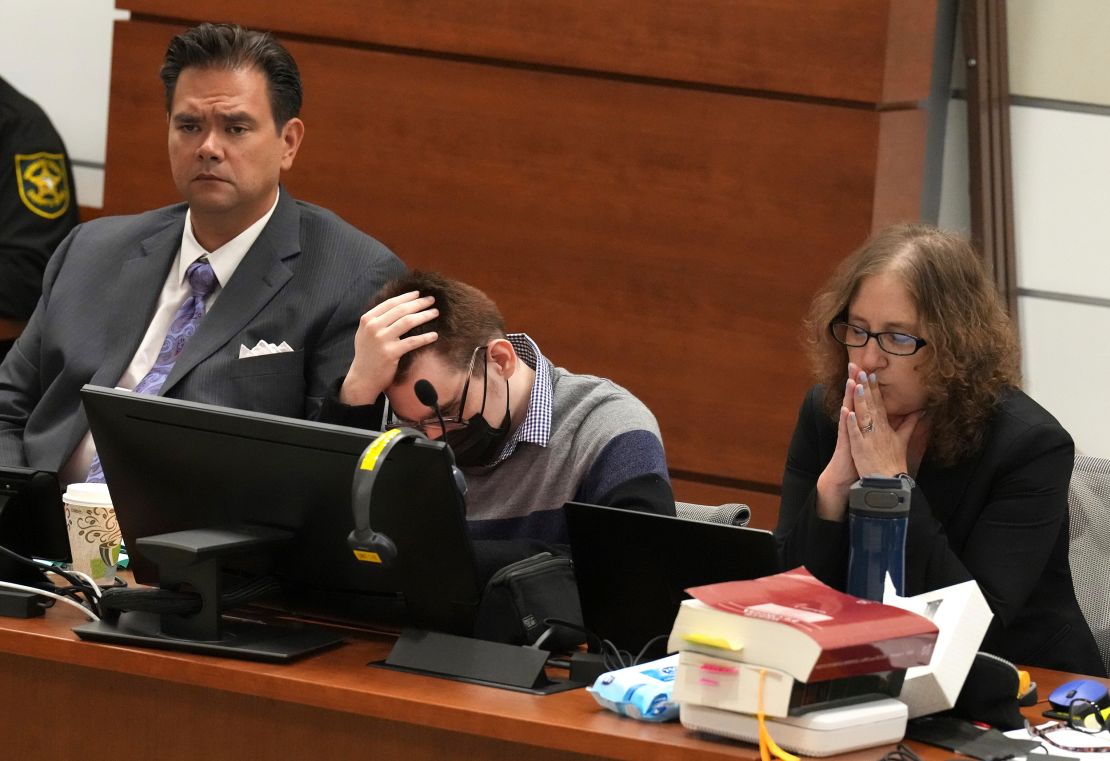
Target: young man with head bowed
(529, 436)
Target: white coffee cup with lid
(94, 534)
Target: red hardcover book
(794, 623)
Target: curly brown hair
(973, 354)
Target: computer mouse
(1079, 689)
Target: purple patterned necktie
(202, 281)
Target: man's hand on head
(379, 345)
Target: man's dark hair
(467, 319)
(229, 46)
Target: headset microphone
(427, 395)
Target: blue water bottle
(878, 512)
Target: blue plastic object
(642, 692)
(1079, 689)
(878, 517)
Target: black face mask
(479, 443)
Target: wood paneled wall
(653, 190)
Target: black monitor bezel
(434, 583)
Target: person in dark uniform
(37, 206)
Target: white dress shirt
(224, 261)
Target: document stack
(789, 658)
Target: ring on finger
(868, 428)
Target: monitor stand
(193, 559)
(494, 664)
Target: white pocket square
(262, 347)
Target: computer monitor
(32, 521)
(633, 568)
(173, 465)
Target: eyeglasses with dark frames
(892, 342)
(456, 421)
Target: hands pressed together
(379, 345)
(869, 442)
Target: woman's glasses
(901, 344)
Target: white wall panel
(1058, 49)
(1066, 363)
(1061, 165)
(59, 54)
(89, 183)
(955, 190)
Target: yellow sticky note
(709, 640)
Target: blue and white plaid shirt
(536, 426)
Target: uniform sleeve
(37, 208)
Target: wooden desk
(61, 694)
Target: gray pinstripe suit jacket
(306, 281)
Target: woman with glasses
(919, 372)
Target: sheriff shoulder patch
(43, 183)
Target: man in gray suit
(121, 304)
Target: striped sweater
(604, 449)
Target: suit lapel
(137, 290)
(136, 294)
(257, 279)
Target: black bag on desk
(520, 596)
(990, 693)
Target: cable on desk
(901, 753)
(181, 602)
(52, 595)
(89, 582)
(613, 656)
(80, 584)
